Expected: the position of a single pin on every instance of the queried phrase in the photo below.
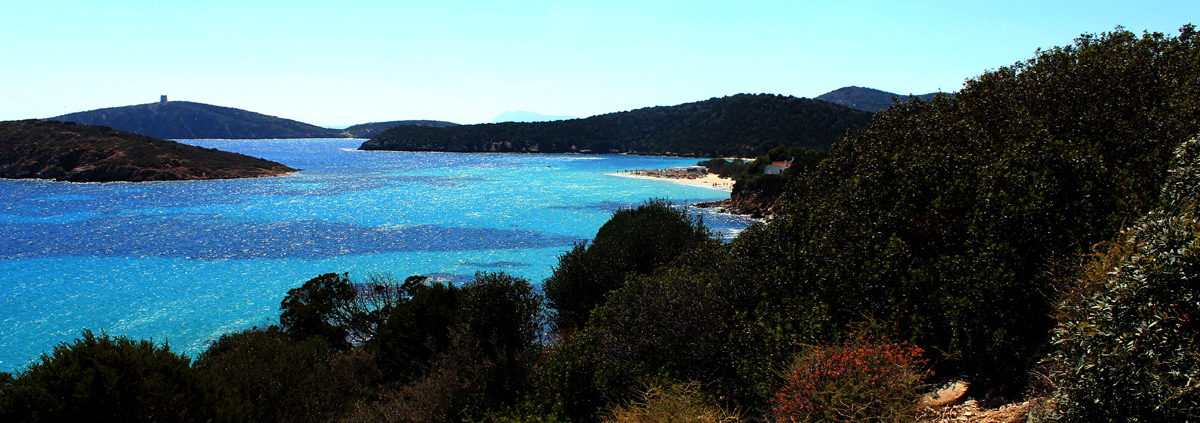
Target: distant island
(67, 151)
(866, 99)
(524, 116)
(744, 125)
(368, 130)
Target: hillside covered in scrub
(190, 120)
(1035, 235)
(85, 153)
(743, 125)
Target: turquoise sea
(184, 262)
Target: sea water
(184, 262)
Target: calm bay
(184, 262)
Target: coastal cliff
(755, 198)
(85, 153)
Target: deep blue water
(184, 262)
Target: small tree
(317, 309)
(417, 330)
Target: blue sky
(337, 63)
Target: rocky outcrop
(755, 198)
(84, 153)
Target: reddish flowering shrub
(859, 381)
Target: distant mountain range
(866, 99)
(524, 116)
(188, 120)
(740, 125)
(66, 151)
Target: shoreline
(709, 181)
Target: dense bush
(417, 330)
(862, 380)
(288, 380)
(670, 324)
(1126, 347)
(635, 240)
(951, 217)
(503, 318)
(104, 379)
(473, 356)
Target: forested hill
(67, 151)
(188, 120)
(866, 99)
(368, 130)
(743, 125)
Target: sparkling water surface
(184, 262)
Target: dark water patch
(212, 238)
(497, 264)
(604, 206)
(453, 278)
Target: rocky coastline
(33, 149)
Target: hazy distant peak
(865, 99)
(524, 116)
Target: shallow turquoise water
(184, 262)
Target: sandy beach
(710, 181)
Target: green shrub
(417, 330)
(288, 380)
(859, 381)
(635, 240)
(104, 379)
(1127, 346)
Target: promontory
(66, 151)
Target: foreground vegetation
(1040, 222)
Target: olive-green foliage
(453, 354)
(104, 379)
(316, 309)
(1127, 346)
(287, 380)
(672, 403)
(679, 323)
(418, 329)
(502, 319)
(635, 240)
(564, 382)
(674, 323)
(948, 217)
